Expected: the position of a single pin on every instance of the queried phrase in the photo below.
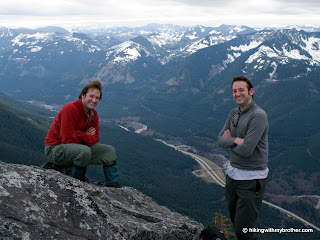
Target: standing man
(74, 134)
(246, 134)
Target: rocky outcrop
(45, 204)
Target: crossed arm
(244, 146)
(91, 131)
(237, 141)
(70, 135)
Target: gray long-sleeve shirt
(252, 125)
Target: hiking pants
(244, 199)
(81, 155)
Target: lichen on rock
(44, 204)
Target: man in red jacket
(74, 134)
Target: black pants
(244, 199)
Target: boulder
(36, 203)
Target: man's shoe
(48, 165)
(63, 169)
(113, 184)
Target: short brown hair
(94, 84)
(244, 79)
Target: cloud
(43, 8)
(208, 3)
(139, 12)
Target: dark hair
(94, 84)
(242, 78)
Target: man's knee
(69, 154)
(109, 149)
(103, 154)
(81, 155)
(109, 158)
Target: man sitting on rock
(74, 134)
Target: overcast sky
(70, 13)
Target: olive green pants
(81, 155)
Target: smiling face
(241, 94)
(91, 99)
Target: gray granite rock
(44, 204)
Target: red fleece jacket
(70, 125)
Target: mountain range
(176, 81)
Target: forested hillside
(22, 133)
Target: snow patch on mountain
(214, 32)
(246, 47)
(6, 32)
(125, 52)
(94, 48)
(130, 54)
(220, 39)
(143, 32)
(35, 37)
(192, 36)
(163, 39)
(35, 49)
(263, 51)
(294, 54)
(16, 41)
(198, 45)
(312, 46)
(287, 52)
(21, 60)
(272, 75)
(74, 39)
(207, 42)
(230, 59)
(237, 29)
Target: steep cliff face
(45, 204)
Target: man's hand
(91, 131)
(227, 133)
(238, 141)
